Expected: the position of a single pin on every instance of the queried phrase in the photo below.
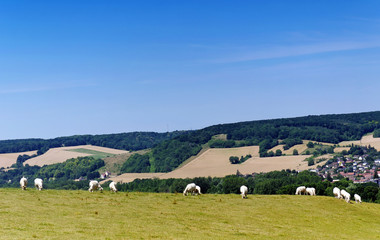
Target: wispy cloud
(273, 52)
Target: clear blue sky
(94, 67)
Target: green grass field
(94, 153)
(61, 214)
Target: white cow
(113, 187)
(310, 191)
(300, 190)
(198, 190)
(336, 192)
(243, 191)
(38, 183)
(95, 185)
(345, 195)
(23, 183)
(357, 198)
(190, 188)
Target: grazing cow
(95, 185)
(300, 190)
(336, 192)
(243, 191)
(113, 187)
(23, 183)
(197, 190)
(345, 195)
(190, 188)
(310, 191)
(38, 183)
(357, 198)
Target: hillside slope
(53, 214)
(124, 141)
(333, 128)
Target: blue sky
(94, 67)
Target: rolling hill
(62, 214)
(332, 129)
(205, 152)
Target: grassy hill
(61, 214)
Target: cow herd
(343, 194)
(306, 191)
(194, 189)
(94, 185)
(340, 194)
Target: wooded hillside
(333, 128)
(126, 141)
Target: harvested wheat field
(341, 149)
(299, 147)
(61, 154)
(365, 141)
(215, 163)
(7, 159)
(274, 164)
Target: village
(355, 168)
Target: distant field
(7, 159)
(93, 153)
(114, 162)
(215, 162)
(58, 155)
(61, 214)
(365, 141)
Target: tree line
(276, 182)
(125, 141)
(75, 168)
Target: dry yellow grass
(299, 147)
(7, 159)
(340, 149)
(365, 141)
(215, 163)
(61, 154)
(62, 214)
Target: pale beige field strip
(61, 154)
(215, 163)
(365, 141)
(7, 159)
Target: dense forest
(126, 141)
(334, 128)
